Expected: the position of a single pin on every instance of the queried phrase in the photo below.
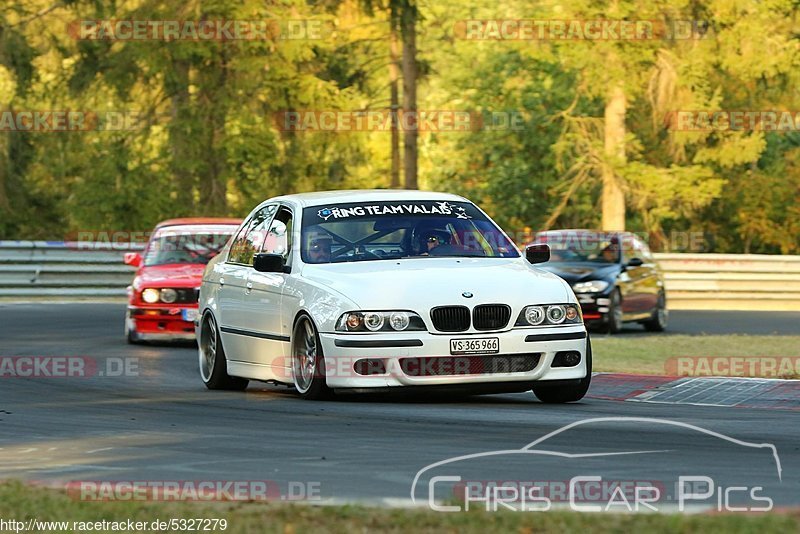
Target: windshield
(364, 231)
(581, 248)
(175, 245)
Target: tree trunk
(409, 34)
(182, 159)
(394, 76)
(613, 201)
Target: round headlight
(353, 321)
(169, 296)
(556, 314)
(534, 315)
(399, 320)
(572, 313)
(150, 295)
(373, 321)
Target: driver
(611, 252)
(430, 239)
(319, 247)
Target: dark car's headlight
(379, 321)
(592, 286)
(549, 315)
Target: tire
(131, 335)
(614, 324)
(308, 362)
(560, 395)
(658, 322)
(212, 361)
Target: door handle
(221, 281)
(249, 286)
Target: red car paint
(161, 320)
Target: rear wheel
(658, 322)
(558, 395)
(614, 324)
(213, 364)
(308, 362)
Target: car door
(650, 282)
(635, 302)
(269, 343)
(233, 284)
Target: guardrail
(64, 270)
(46, 269)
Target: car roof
(198, 220)
(322, 198)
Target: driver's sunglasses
(433, 239)
(315, 247)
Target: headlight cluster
(592, 286)
(379, 321)
(152, 295)
(554, 314)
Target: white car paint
(256, 311)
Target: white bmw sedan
(387, 289)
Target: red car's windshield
(178, 245)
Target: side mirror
(635, 262)
(268, 263)
(537, 253)
(134, 259)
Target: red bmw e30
(162, 300)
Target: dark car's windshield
(176, 245)
(364, 231)
(571, 248)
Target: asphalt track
(160, 423)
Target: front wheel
(131, 335)
(558, 395)
(213, 363)
(614, 312)
(308, 362)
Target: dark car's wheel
(308, 362)
(658, 322)
(614, 323)
(131, 335)
(213, 364)
(558, 395)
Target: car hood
(427, 282)
(574, 272)
(172, 275)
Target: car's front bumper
(162, 322)
(424, 359)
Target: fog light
(370, 366)
(567, 358)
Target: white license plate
(189, 314)
(475, 345)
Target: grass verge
(21, 502)
(651, 354)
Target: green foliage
(207, 142)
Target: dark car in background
(613, 274)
